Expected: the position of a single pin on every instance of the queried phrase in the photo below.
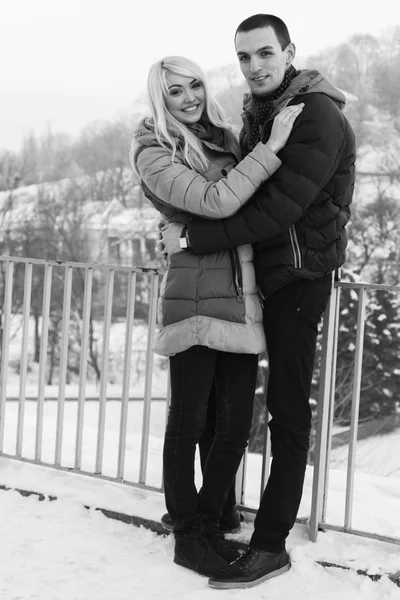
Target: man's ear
(290, 53)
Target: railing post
(240, 480)
(104, 370)
(266, 455)
(331, 403)
(5, 346)
(148, 377)
(323, 415)
(63, 362)
(24, 355)
(44, 336)
(126, 376)
(355, 405)
(87, 300)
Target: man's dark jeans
(291, 318)
(192, 374)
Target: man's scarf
(263, 106)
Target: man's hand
(169, 236)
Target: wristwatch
(183, 242)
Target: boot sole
(167, 527)
(191, 568)
(230, 585)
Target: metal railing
(106, 274)
(89, 274)
(327, 385)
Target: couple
(254, 230)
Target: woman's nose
(189, 96)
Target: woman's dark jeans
(205, 443)
(192, 375)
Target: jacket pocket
(237, 273)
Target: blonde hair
(170, 133)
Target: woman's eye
(196, 85)
(174, 92)
(243, 58)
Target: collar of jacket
(308, 81)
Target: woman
(210, 314)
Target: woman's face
(186, 98)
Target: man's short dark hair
(259, 21)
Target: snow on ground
(377, 455)
(61, 551)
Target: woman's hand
(282, 126)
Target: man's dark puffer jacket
(296, 220)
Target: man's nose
(254, 64)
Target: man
(296, 222)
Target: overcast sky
(65, 63)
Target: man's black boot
(223, 547)
(251, 568)
(193, 552)
(167, 522)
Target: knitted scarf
(208, 132)
(263, 106)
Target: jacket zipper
(295, 247)
(237, 274)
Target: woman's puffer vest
(209, 300)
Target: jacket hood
(142, 136)
(144, 133)
(308, 81)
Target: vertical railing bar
(130, 311)
(104, 370)
(48, 269)
(87, 300)
(331, 404)
(322, 417)
(168, 397)
(240, 480)
(148, 377)
(167, 405)
(8, 292)
(266, 455)
(63, 362)
(355, 404)
(23, 370)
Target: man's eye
(265, 54)
(243, 58)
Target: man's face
(262, 60)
